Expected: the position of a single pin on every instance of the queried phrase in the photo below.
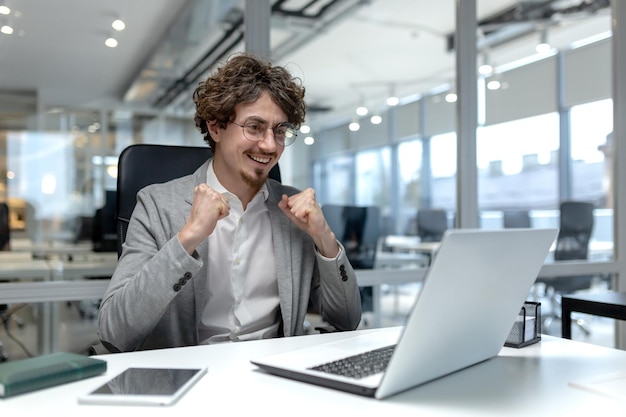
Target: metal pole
(467, 215)
(257, 27)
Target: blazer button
(344, 276)
(342, 268)
(182, 281)
(187, 276)
(177, 287)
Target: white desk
(47, 249)
(532, 381)
(32, 269)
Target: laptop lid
(462, 315)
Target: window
(443, 171)
(591, 125)
(518, 164)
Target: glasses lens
(254, 130)
(285, 134)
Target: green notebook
(45, 371)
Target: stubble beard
(254, 182)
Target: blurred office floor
(77, 326)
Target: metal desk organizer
(527, 327)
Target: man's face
(240, 162)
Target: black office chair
(144, 164)
(576, 226)
(5, 240)
(358, 229)
(431, 224)
(516, 219)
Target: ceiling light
(376, 119)
(4, 10)
(118, 24)
(309, 140)
(111, 42)
(451, 97)
(393, 101)
(494, 84)
(543, 46)
(6, 29)
(305, 129)
(354, 126)
(485, 69)
(361, 110)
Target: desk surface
(532, 381)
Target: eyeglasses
(255, 131)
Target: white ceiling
(56, 57)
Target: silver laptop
(462, 315)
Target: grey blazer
(157, 294)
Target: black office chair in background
(358, 229)
(5, 240)
(431, 224)
(576, 225)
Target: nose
(267, 143)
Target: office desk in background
(47, 281)
(532, 381)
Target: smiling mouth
(261, 160)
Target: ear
(214, 130)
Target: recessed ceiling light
(376, 119)
(361, 110)
(451, 97)
(6, 29)
(4, 10)
(393, 101)
(111, 42)
(118, 24)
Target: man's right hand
(207, 208)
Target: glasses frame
(286, 141)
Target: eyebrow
(262, 120)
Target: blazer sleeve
(338, 294)
(153, 270)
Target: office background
(542, 137)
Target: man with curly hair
(226, 254)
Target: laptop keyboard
(359, 366)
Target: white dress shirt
(242, 301)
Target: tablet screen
(162, 386)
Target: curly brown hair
(242, 79)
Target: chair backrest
(5, 230)
(358, 228)
(576, 225)
(516, 218)
(431, 224)
(144, 164)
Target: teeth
(261, 160)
